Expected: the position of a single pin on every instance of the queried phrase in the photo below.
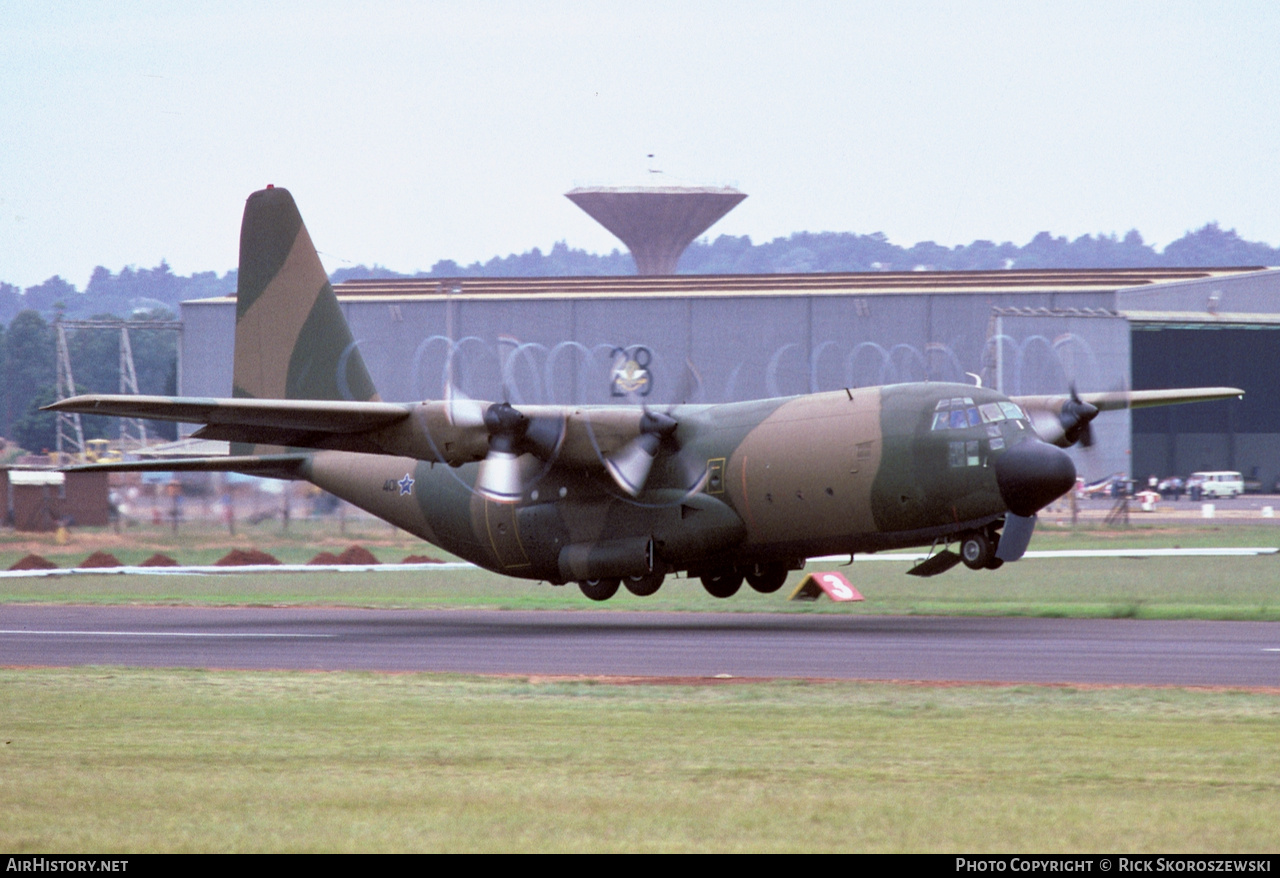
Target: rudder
(291, 340)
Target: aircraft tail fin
(291, 340)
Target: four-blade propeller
(511, 434)
(1062, 422)
(1035, 472)
(1076, 419)
(629, 465)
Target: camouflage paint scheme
(749, 488)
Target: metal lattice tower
(133, 431)
(130, 428)
(68, 430)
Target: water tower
(656, 222)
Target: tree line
(27, 353)
(29, 363)
(133, 290)
(807, 252)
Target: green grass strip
(1244, 588)
(134, 761)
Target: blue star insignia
(406, 485)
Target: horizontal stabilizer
(287, 423)
(282, 414)
(280, 466)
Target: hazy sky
(413, 132)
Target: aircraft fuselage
(620, 495)
(782, 479)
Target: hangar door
(1239, 435)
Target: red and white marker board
(833, 584)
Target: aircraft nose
(1032, 474)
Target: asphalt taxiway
(635, 644)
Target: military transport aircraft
(610, 495)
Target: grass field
(1165, 588)
(1205, 587)
(133, 761)
(127, 761)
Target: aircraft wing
(1063, 419)
(453, 432)
(1132, 399)
(1139, 399)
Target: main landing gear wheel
(722, 583)
(977, 551)
(766, 578)
(646, 584)
(599, 589)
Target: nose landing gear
(978, 550)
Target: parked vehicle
(1223, 484)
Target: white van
(1225, 484)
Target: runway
(658, 645)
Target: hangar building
(704, 338)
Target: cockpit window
(960, 413)
(1012, 411)
(991, 413)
